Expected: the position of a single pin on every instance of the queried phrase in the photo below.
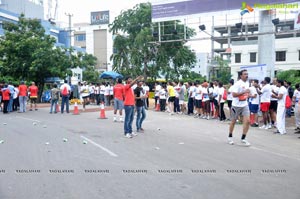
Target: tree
(222, 72)
(137, 52)
(292, 76)
(27, 53)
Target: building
(242, 47)
(30, 8)
(201, 66)
(96, 39)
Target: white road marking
(24, 118)
(99, 146)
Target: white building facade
(201, 66)
(287, 55)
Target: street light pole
(70, 28)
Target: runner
(240, 107)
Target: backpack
(288, 102)
(64, 91)
(225, 95)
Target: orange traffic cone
(102, 112)
(76, 111)
(57, 108)
(157, 108)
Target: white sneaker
(230, 140)
(207, 118)
(134, 134)
(121, 119)
(269, 126)
(128, 135)
(263, 127)
(245, 142)
(115, 119)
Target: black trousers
(5, 105)
(162, 103)
(222, 116)
(176, 105)
(191, 106)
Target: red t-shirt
(129, 96)
(119, 91)
(23, 90)
(6, 94)
(33, 91)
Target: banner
(101, 17)
(297, 21)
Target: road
(65, 156)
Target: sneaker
(128, 135)
(230, 140)
(121, 119)
(245, 142)
(207, 118)
(263, 127)
(115, 119)
(134, 134)
(254, 125)
(269, 126)
(297, 129)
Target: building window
(280, 56)
(237, 57)
(252, 57)
(80, 37)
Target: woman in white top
(84, 91)
(163, 98)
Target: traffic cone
(102, 112)
(252, 118)
(75, 111)
(57, 108)
(157, 108)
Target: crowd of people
(246, 100)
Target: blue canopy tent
(111, 75)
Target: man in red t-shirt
(33, 90)
(118, 99)
(129, 106)
(22, 97)
(5, 98)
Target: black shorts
(273, 105)
(171, 99)
(198, 103)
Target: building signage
(101, 17)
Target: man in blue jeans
(65, 91)
(129, 106)
(140, 95)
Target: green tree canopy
(136, 50)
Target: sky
(81, 9)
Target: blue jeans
(10, 104)
(53, 105)
(22, 101)
(129, 113)
(141, 115)
(65, 100)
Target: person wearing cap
(129, 106)
(22, 97)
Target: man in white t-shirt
(273, 104)
(296, 101)
(102, 91)
(280, 117)
(240, 107)
(198, 99)
(157, 88)
(254, 102)
(191, 94)
(265, 102)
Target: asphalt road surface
(65, 156)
